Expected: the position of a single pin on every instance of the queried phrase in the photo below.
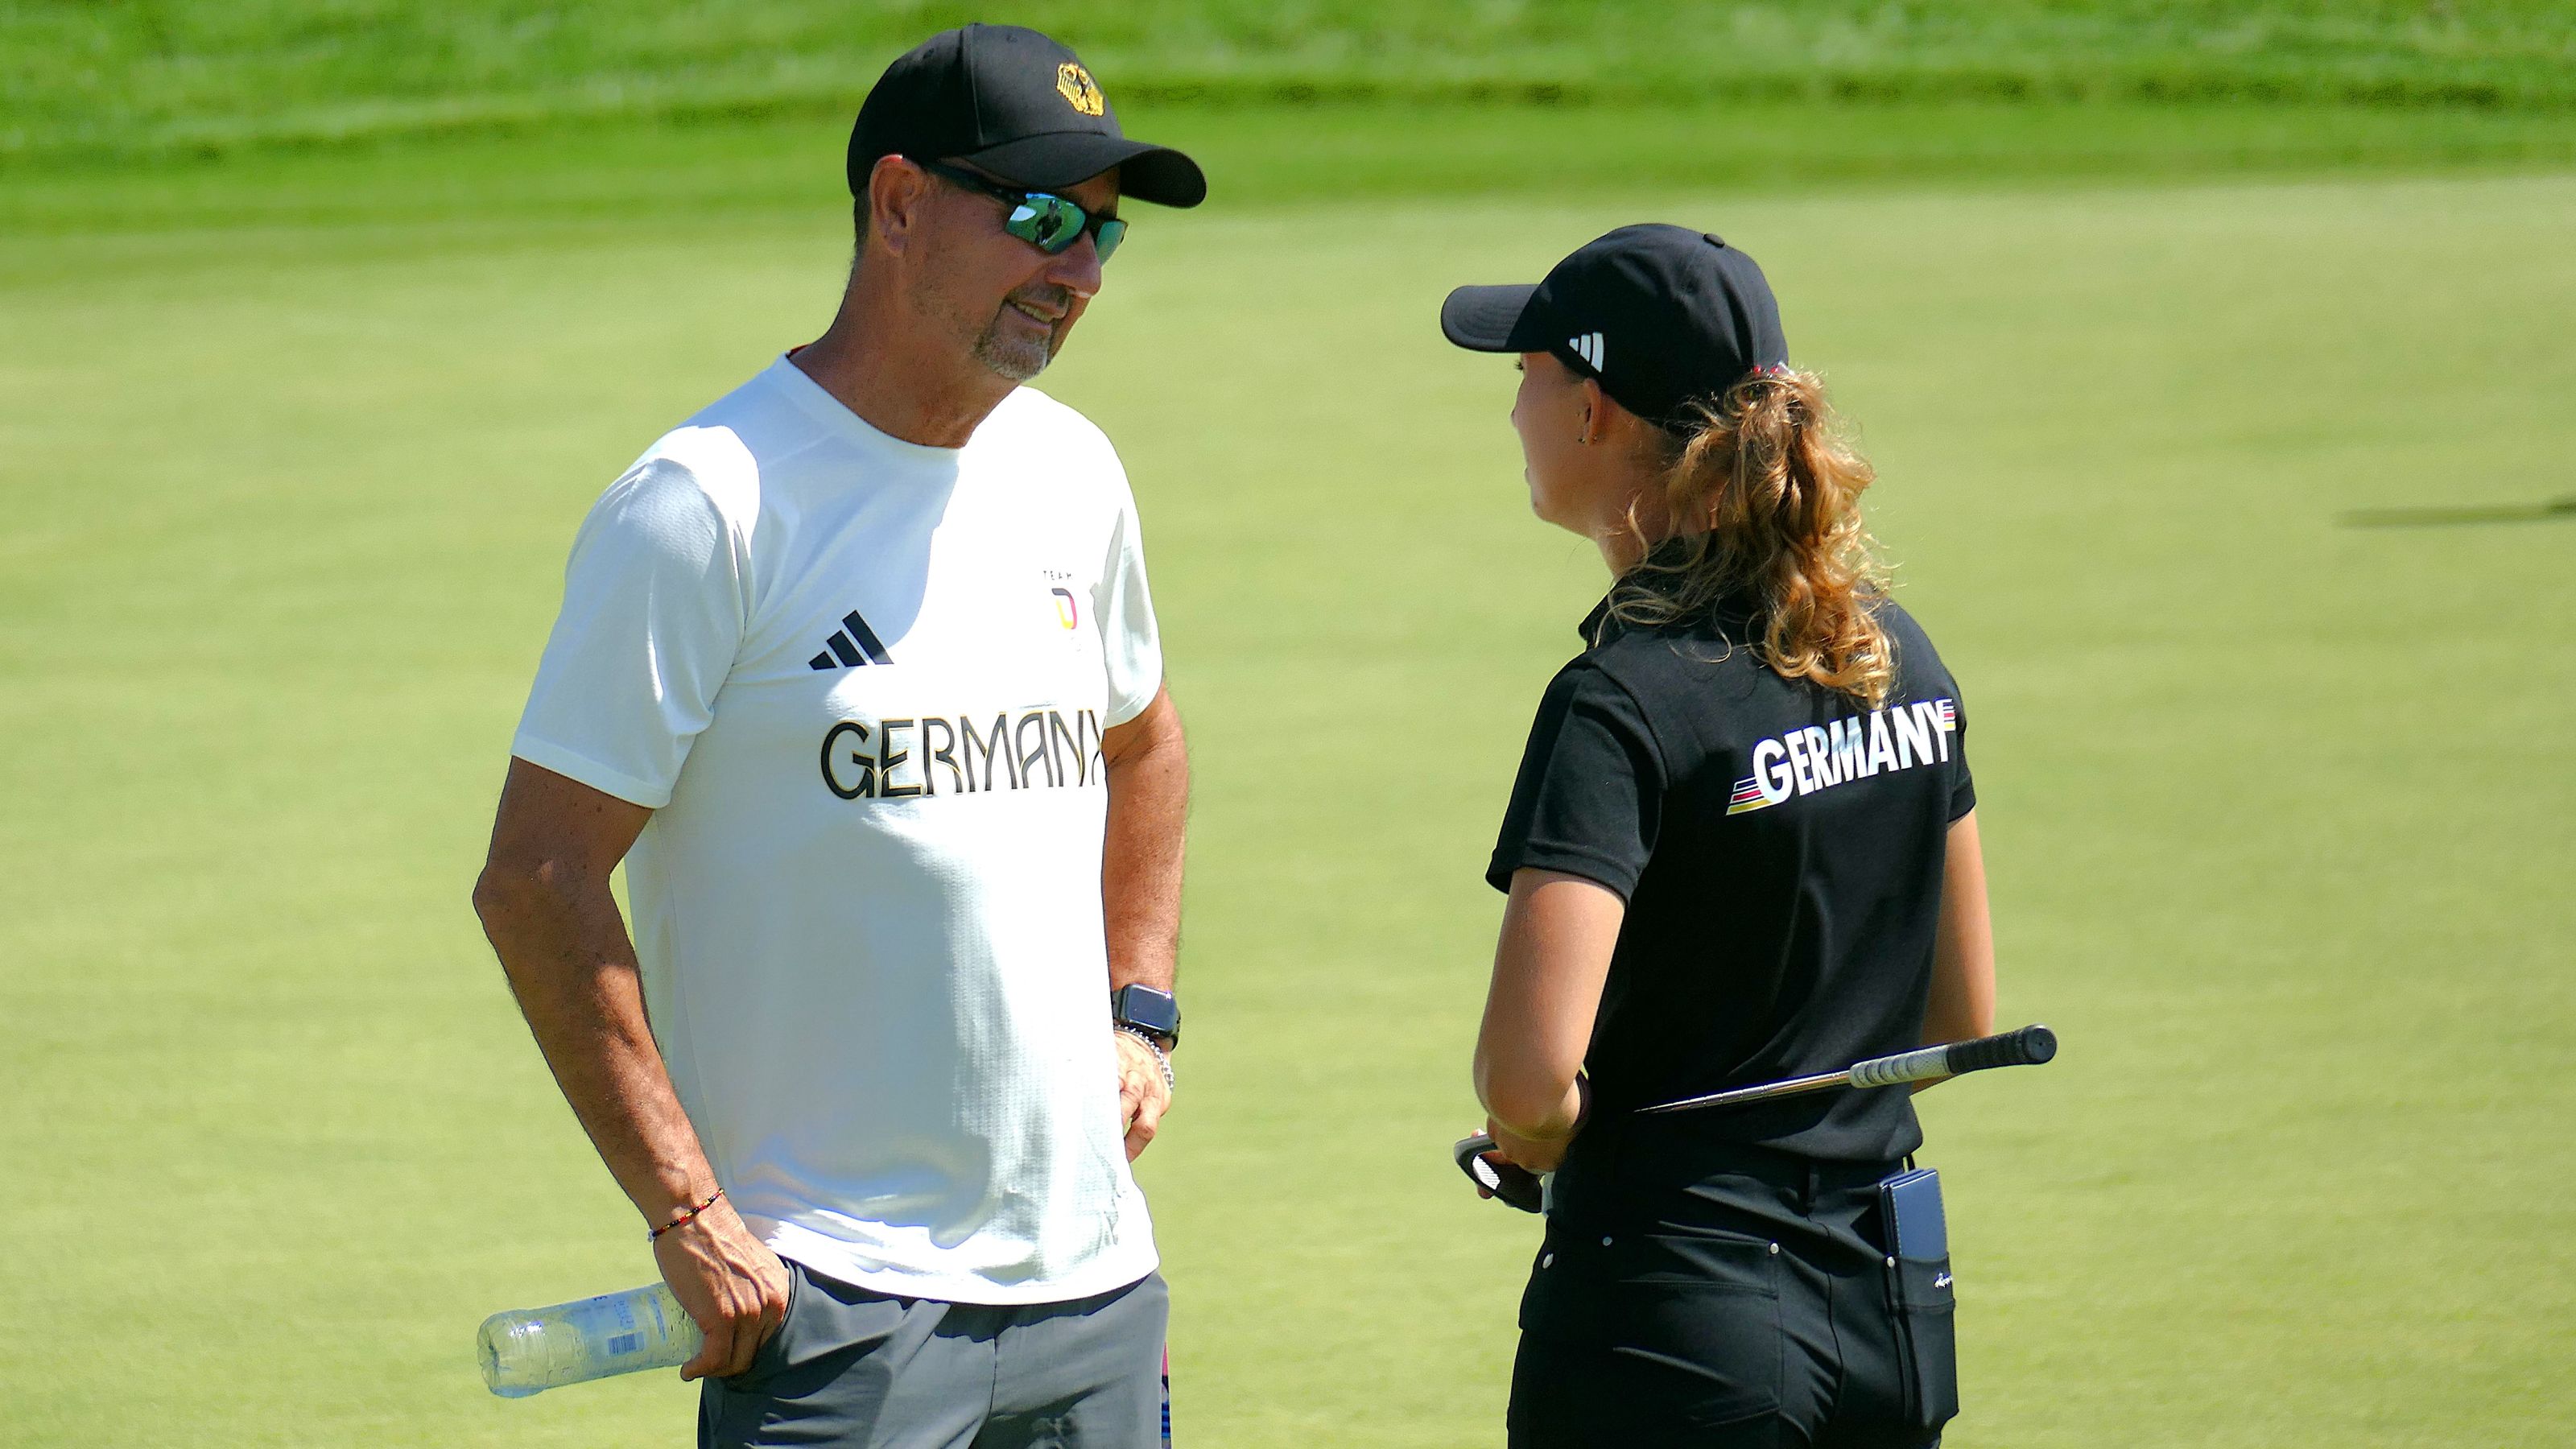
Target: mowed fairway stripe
(2279, 812)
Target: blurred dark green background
(96, 77)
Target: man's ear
(896, 191)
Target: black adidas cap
(1016, 104)
(1662, 315)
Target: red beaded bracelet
(686, 1217)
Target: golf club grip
(1913, 1066)
(2027, 1047)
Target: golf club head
(1516, 1186)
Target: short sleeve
(1589, 797)
(653, 609)
(1131, 643)
(1963, 786)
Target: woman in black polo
(1742, 846)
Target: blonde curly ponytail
(1763, 494)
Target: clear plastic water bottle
(529, 1350)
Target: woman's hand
(1541, 1154)
(1531, 1153)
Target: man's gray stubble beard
(1015, 359)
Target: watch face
(1143, 1006)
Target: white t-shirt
(862, 683)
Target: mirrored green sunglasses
(1044, 220)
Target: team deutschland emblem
(1080, 91)
(1065, 613)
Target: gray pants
(851, 1369)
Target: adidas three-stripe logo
(850, 646)
(1587, 347)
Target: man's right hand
(730, 1283)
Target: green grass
(2279, 812)
(1263, 158)
(90, 79)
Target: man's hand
(730, 1283)
(1143, 1095)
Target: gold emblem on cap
(1080, 91)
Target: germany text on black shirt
(1780, 848)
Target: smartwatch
(1151, 1011)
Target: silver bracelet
(1162, 1058)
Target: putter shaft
(2027, 1047)
(1792, 1087)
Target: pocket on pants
(772, 1353)
(1647, 1336)
(1926, 1311)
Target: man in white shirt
(858, 673)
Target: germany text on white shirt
(862, 684)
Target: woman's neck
(1630, 535)
(1620, 550)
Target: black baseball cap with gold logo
(1018, 105)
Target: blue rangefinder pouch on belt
(1909, 1207)
(1917, 1235)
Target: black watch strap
(1148, 1009)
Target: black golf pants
(1755, 1307)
